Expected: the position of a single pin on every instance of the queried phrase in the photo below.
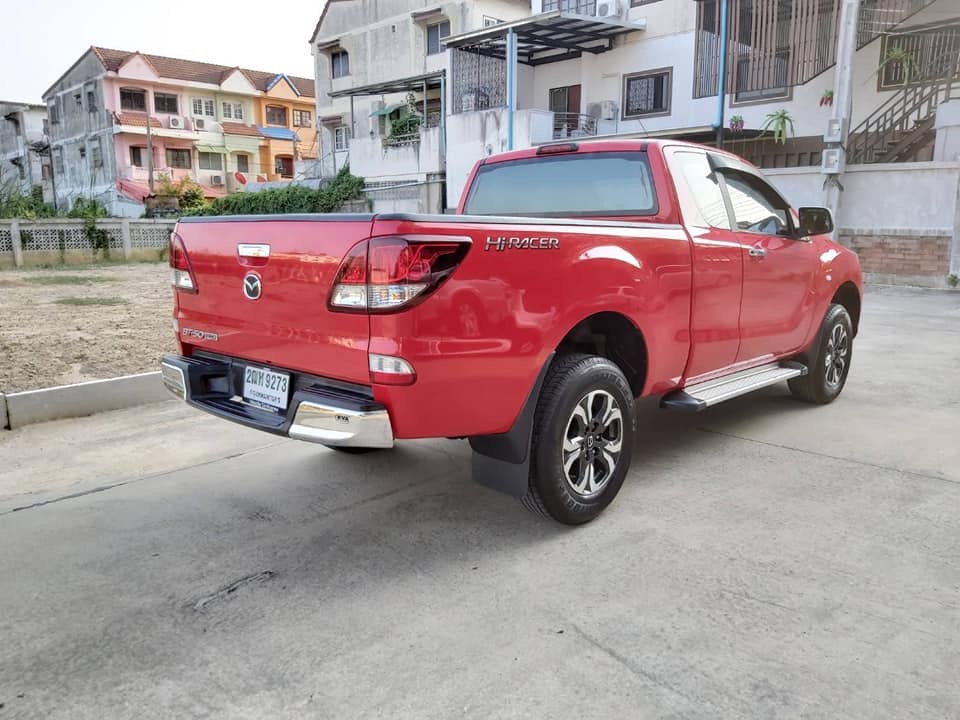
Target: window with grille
(243, 163)
(178, 158)
(133, 99)
(276, 115)
(138, 156)
(339, 63)
(97, 155)
(283, 166)
(341, 138)
(91, 100)
(302, 118)
(203, 107)
(58, 161)
(232, 111)
(647, 93)
(436, 33)
(165, 103)
(210, 161)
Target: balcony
(573, 125)
(140, 174)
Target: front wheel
(582, 439)
(828, 372)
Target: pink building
(201, 125)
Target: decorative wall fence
(67, 240)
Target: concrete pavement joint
(827, 456)
(152, 476)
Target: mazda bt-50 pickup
(573, 279)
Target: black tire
(827, 374)
(352, 450)
(573, 380)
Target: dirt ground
(82, 323)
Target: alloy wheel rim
(592, 443)
(838, 351)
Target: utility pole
(149, 155)
(842, 98)
(722, 70)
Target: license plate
(265, 387)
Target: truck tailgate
(295, 259)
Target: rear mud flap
(502, 462)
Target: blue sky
(42, 40)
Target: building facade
(116, 116)
(381, 73)
(24, 157)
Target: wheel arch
(612, 335)
(848, 296)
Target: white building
(372, 58)
(24, 156)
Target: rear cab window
(591, 184)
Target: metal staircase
(903, 125)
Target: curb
(69, 401)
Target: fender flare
(502, 462)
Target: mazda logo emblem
(252, 287)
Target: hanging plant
(736, 123)
(826, 98)
(780, 123)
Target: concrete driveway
(764, 560)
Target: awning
(134, 190)
(278, 133)
(387, 110)
(218, 149)
(414, 83)
(212, 193)
(547, 37)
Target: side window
(704, 188)
(756, 206)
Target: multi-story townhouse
(200, 119)
(375, 59)
(24, 160)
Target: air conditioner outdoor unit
(216, 179)
(176, 122)
(608, 8)
(198, 123)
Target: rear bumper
(321, 411)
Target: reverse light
(386, 274)
(389, 370)
(181, 273)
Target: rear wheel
(828, 372)
(582, 439)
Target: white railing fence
(27, 242)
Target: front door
(778, 269)
(565, 106)
(717, 264)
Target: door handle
(757, 252)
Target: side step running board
(695, 398)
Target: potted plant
(736, 124)
(780, 124)
(826, 98)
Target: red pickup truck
(573, 279)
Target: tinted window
(599, 184)
(756, 206)
(705, 188)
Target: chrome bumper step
(695, 398)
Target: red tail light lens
(388, 273)
(181, 273)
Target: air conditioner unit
(608, 8)
(216, 179)
(176, 123)
(199, 123)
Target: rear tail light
(386, 274)
(388, 370)
(181, 273)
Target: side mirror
(815, 221)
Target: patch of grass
(68, 279)
(88, 301)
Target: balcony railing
(573, 125)
(579, 7)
